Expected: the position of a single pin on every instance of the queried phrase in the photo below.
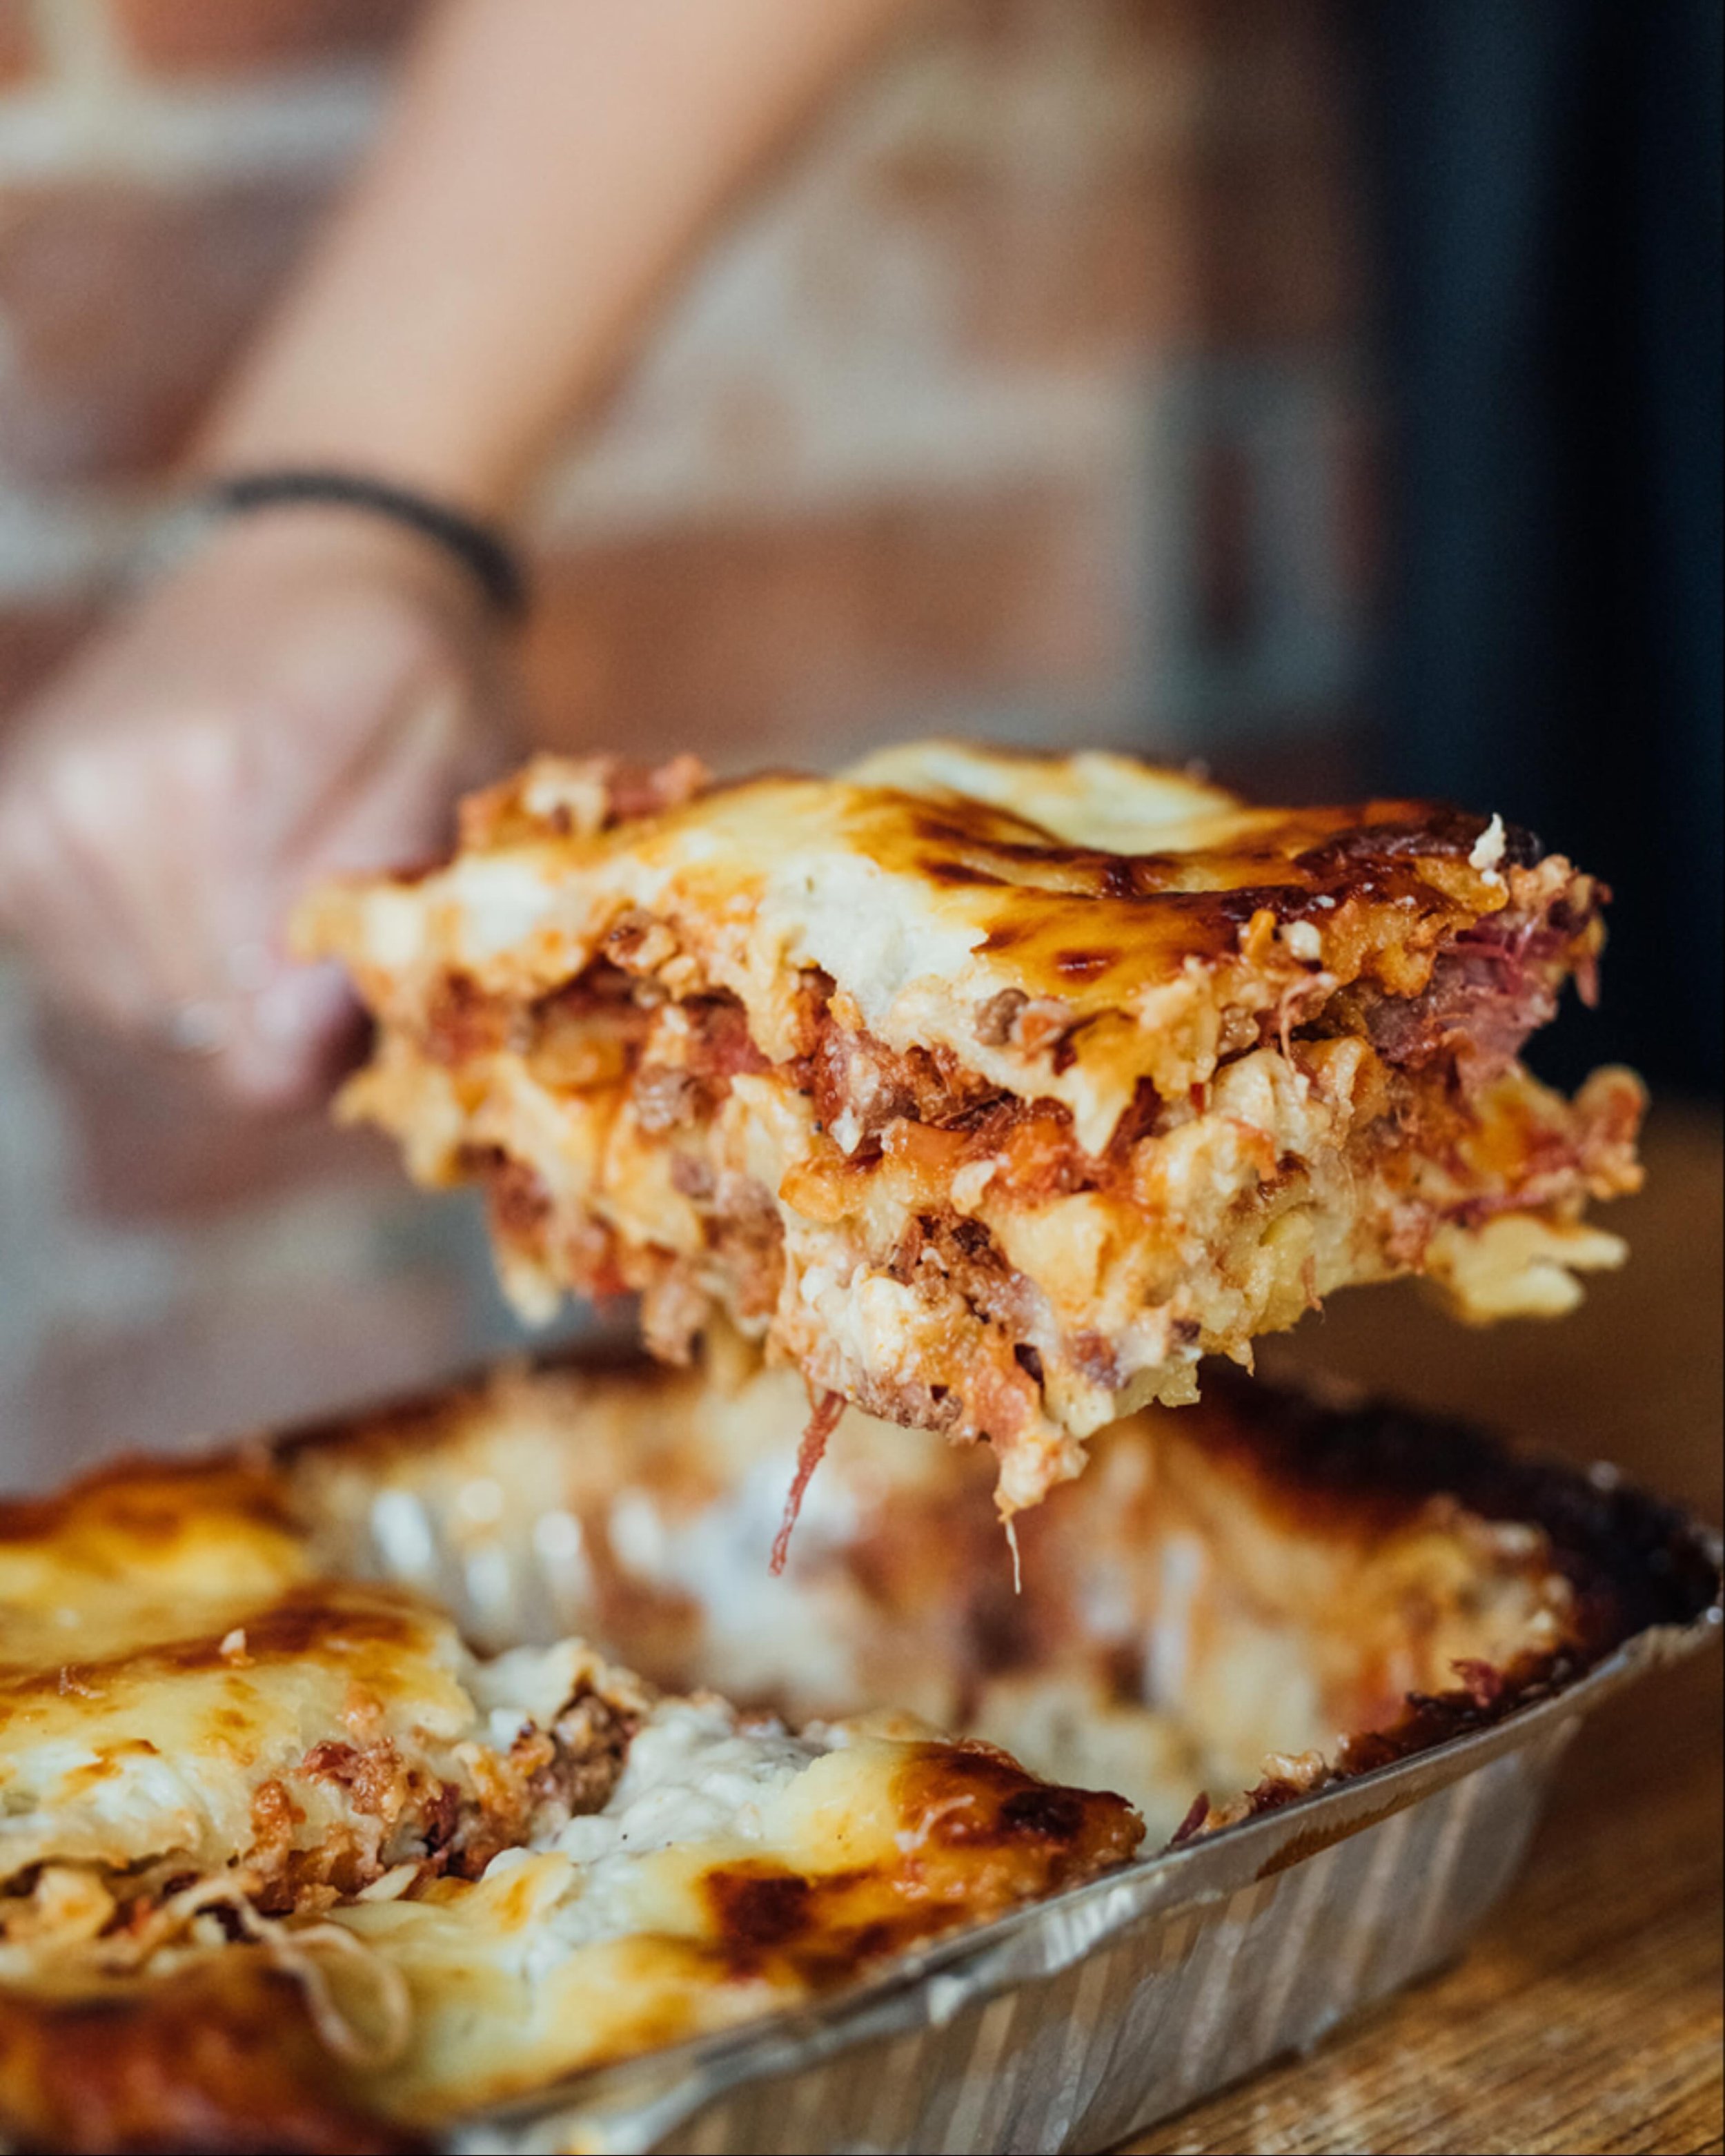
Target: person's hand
(307, 694)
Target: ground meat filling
(1490, 989)
(860, 1087)
(1495, 985)
(945, 1251)
(517, 1202)
(404, 1815)
(717, 1047)
(674, 1059)
(547, 1777)
(463, 1021)
(525, 1218)
(744, 1231)
(400, 1813)
(1481, 1004)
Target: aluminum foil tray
(1074, 2023)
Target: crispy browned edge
(225, 2057)
(1633, 1562)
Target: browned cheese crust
(285, 1863)
(223, 2051)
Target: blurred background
(1227, 379)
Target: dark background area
(1547, 313)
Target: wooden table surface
(1586, 2015)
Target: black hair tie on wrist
(487, 557)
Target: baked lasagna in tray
(319, 1831)
(990, 1090)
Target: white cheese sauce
(694, 1774)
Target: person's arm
(307, 692)
(550, 166)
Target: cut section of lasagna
(284, 1864)
(1260, 1576)
(991, 1091)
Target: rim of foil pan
(649, 2097)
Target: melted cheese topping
(217, 1744)
(581, 1940)
(140, 1555)
(928, 880)
(178, 1687)
(733, 1869)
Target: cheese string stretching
(823, 1420)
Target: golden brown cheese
(284, 1863)
(180, 1692)
(924, 884)
(992, 1091)
(867, 1851)
(508, 1984)
(141, 1552)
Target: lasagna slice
(284, 1864)
(185, 1702)
(991, 1091)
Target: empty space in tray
(1233, 1595)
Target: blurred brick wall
(1025, 395)
(1023, 400)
